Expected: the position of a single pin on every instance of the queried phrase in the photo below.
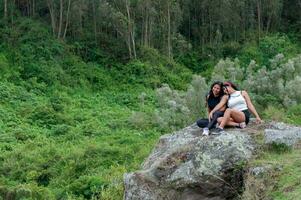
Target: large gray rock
(187, 166)
(281, 133)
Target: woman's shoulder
(243, 92)
(225, 96)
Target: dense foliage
(88, 86)
(123, 28)
(66, 130)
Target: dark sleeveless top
(213, 101)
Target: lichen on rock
(188, 166)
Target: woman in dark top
(212, 99)
(239, 106)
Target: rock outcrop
(188, 166)
(280, 133)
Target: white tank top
(237, 101)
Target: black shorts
(247, 115)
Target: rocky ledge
(187, 166)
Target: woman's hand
(210, 116)
(258, 120)
(251, 106)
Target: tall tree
(5, 9)
(51, 8)
(258, 4)
(131, 30)
(59, 17)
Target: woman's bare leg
(236, 115)
(229, 123)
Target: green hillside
(65, 129)
(86, 89)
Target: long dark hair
(221, 93)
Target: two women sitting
(228, 106)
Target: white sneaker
(205, 132)
(242, 125)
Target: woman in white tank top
(239, 104)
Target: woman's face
(225, 89)
(216, 90)
(228, 89)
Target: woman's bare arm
(208, 109)
(219, 106)
(251, 106)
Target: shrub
(271, 85)
(274, 113)
(267, 48)
(231, 49)
(26, 191)
(272, 45)
(87, 186)
(178, 109)
(228, 70)
(279, 148)
(139, 120)
(294, 114)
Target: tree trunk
(143, 31)
(129, 46)
(269, 22)
(28, 10)
(134, 43)
(52, 15)
(131, 38)
(202, 24)
(67, 19)
(94, 21)
(5, 9)
(129, 29)
(81, 18)
(299, 2)
(12, 12)
(61, 19)
(33, 7)
(146, 21)
(150, 22)
(169, 31)
(258, 18)
(189, 27)
(210, 29)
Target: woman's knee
(220, 119)
(228, 110)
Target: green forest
(88, 86)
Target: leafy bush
(231, 49)
(271, 85)
(279, 148)
(228, 70)
(275, 44)
(176, 108)
(155, 69)
(140, 120)
(294, 114)
(274, 113)
(267, 48)
(26, 191)
(87, 186)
